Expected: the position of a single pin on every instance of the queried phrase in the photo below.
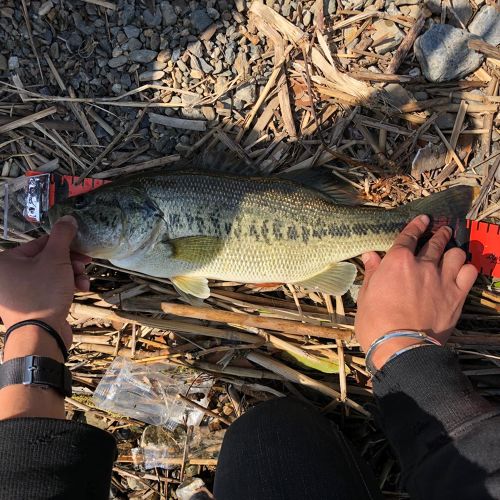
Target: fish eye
(80, 203)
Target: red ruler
(484, 247)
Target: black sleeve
(43, 458)
(446, 436)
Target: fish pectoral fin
(335, 280)
(192, 285)
(195, 249)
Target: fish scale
(245, 229)
(315, 232)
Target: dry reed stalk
(287, 326)
(299, 378)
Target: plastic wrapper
(162, 448)
(149, 393)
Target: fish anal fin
(192, 285)
(195, 249)
(335, 280)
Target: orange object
(484, 247)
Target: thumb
(371, 260)
(61, 236)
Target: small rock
(3, 63)
(54, 51)
(148, 76)
(486, 24)
(132, 31)
(127, 14)
(213, 13)
(329, 7)
(182, 66)
(414, 72)
(152, 19)
(397, 95)
(116, 88)
(13, 62)
(74, 41)
(247, 93)
(125, 80)
(196, 48)
(421, 95)
(307, 18)
(157, 66)
(205, 67)
(240, 5)
(143, 56)
(164, 55)
(434, 6)
(116, 62)
(45, 8)
(209, 113)
(463, 10)
(168, 13)
(443, 53)
(132, 45)
(196, 74)
(200, 19)
(386, 36)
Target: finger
(453, 260)
(78, 267)
(75, 256)
(371, 260)
(409, 236)
(31, 248)
(434, 248)
(466, 277)
(61, 236)
(82, 283)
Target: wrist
(386, 350)
(31, 340)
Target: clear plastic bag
(162, 448)
(149, 393)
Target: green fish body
(194, 226)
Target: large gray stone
(200, 19)
(168, 13)
(444, 55)
(486, 24)
(143, 56)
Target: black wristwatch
(36, 371)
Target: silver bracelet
(396, 334)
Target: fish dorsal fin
(335, 280)
(195, 249)
(322, 180)
(192, 285)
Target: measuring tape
(43, 191)
(484, 247)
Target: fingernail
(449, 229)
(424, 218)
(365, 258)
(70, 220)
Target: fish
(192, 226)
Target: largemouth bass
(195, 226)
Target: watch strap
(37, 371)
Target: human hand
(38, 279)
(402, 291)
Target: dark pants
(286, 450)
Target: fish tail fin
(447, 208)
